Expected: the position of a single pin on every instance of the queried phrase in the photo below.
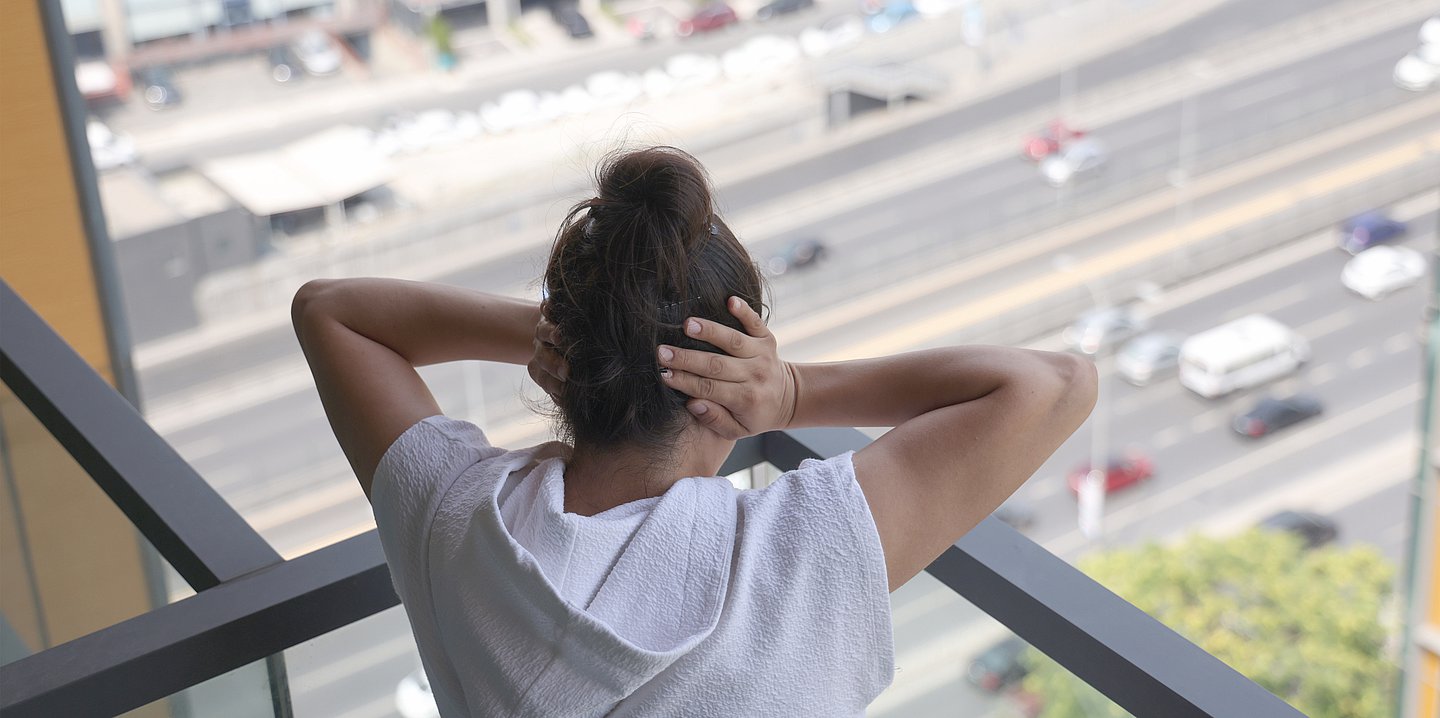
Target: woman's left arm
(364, 337)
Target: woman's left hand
(547, 367)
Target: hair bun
(651, 193)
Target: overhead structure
(322, 170)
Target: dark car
(711, 17)
(1272, 414)
(1364, 231)
(1314, 529)
(568, 16)
(798, 255)
(284, 66)
(157, 87)
(1124, 470)
(781, 7)
(1000, 666)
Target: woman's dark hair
(628, 267)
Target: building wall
(72, 563)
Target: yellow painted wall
(85, 566)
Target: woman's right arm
(971, 423)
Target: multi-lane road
(265, 445)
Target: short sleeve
(410, 480)
(812, 543)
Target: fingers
(730, 341)
(700, 387)
(701, 363)
(717, 419)
(754, 325)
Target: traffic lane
(967, 208)
(1225, 22)
(1380, 519)
(350, 667)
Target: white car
(834, 35)
(1378, 271)
(614, 89)
(108, 150)
(1420, 69)
(689, 69)
(1430, 31)
(514, 110)
(317, 53)
(1082, 158)
(425, 130)
(413, 698)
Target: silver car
(1149, 357)
(1101, 328)
(1079, 159)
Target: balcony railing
(250, 604)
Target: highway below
(1310, 135)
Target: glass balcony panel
(370, 667)
(72, 562)
(245, 692)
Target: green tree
(1304, 624)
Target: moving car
(1082, 158)
(1020, 515)
(108, 149)
(707, 19)
(157, 87)
(798, 255)
(413, 698)
(1101, 328)
(1124, 470)
(1240, 354)
(1418, 70)
(1316, 530)
(999, 666)
(1149, 357)
(894, 13)
(1366, 230)
(1378, 271)
(317, 53)
(567, 15)
(781, 7)
(1272, 414)
(284, 66)
(1055, 136)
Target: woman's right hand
(747, 390)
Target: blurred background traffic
(1231, 206)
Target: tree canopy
(1304, 624)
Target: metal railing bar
(171, 648)
(177, 511)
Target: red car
(1124, 470)
(711, 17)
(1050, 140)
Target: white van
(1240, 354)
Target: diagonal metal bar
(183, 518)
(151, 656)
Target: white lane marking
(1270, 303)
(1161, 501)
(1322, 373)
(1166, 438)
(1360, 357)
(1327, 324)
(1354, 479)
(1207, 421)
(1398, 343)
(199, 449)
(1259, 92)
(401, 645)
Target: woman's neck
(598, 480)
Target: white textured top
(705, 601)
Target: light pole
(1181, 177)
(1092, 488)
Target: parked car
(999, 666)
(318, 53)
(1364, 231)
(413, 698)
(567, 15)
(1100, 328)
(1123, 470)
(1419, 69)
(781, 7)
(1271, 414)
(284, 66)
(99, 84)
(707, 19)
(1055, 136)
(894, 13)
(689, 69)
(1378, 271)
(1430, 31)
(1315, 529)
(1149, 357)
(833, 35)
(157, 87)
(1080, 159)
(797, 255)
